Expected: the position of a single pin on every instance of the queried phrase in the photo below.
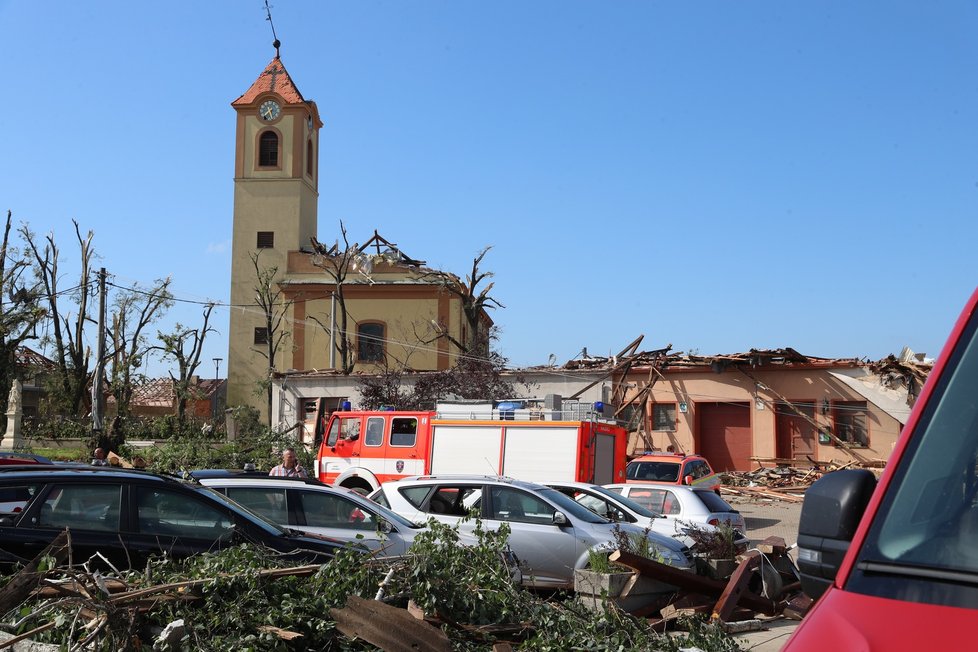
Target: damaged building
(778, 406)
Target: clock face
(269, 110)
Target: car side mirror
(560, 519)
(384, 526)
(830, 514)
(688, 479)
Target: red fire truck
(362, 450)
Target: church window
(309, 159)
(268, 149)
(370, 342)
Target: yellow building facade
(398, 312)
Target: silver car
(317, 508)
(683, 506)
(611, 504)
(550, 533)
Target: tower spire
(268, 16)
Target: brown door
(796, 433)
(725, 435)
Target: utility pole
(98, 400)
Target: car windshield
(627, 502)
(244, 512)
(570, 507)
(928, 518)
(653, 471)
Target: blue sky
(718, 176)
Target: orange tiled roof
(273, 79)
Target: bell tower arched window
(309, 158)
(268, 149)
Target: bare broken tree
(67, 334)
(20, 312)
(475, 302)
(135, 310)
(338, 263)
(174, 345)
(275, 310)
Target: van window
(404, 431)
(375, 432)
(921, 546)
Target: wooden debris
(737, 627)
(389, 628)
(736, 587)
(797, 607)
(24, 582)
(283, 634)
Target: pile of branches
(248, 598)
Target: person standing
(290, 467)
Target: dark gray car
(130, 516)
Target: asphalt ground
(766, 517)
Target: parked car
(312, 506)
(683, 505)
(13, 457)
(672, 468)
(550, 533)
(129, 516)
(614, 506)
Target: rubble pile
(782, 481)
(764, 584)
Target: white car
(317, 508)
(549, 532)
(683, 506)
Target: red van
(894, 564)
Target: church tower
(276, 193)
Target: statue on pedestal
(15, 414)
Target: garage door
(725, 435)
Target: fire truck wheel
(359, 488)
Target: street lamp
(217, 368)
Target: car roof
(497, 479)
(55, 471)
(657, 485)
(25, 456)
(238, 474)
(662, 456)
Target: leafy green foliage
(716, 543)
(237, 607)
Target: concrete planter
(718, 569)
(627, 590)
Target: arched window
(309, 159)
(268, 149)
(370, 342)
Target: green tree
(20, 309)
